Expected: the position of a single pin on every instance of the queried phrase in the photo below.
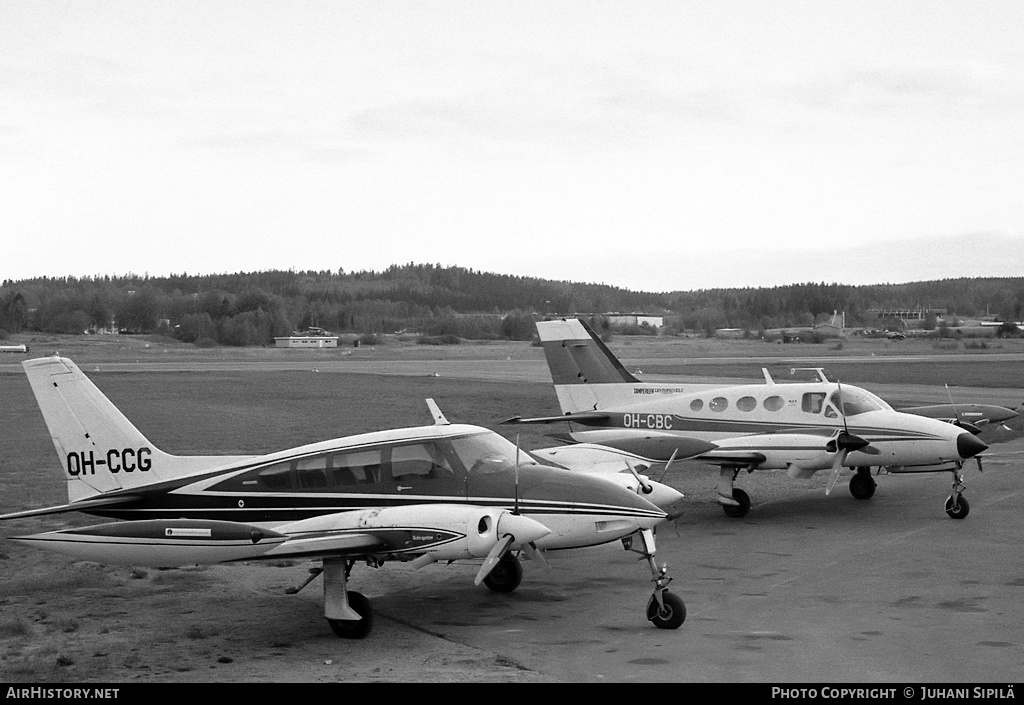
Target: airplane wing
(439, 531)
(733, 458)
(660, 447)
(333, 545)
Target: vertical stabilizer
(99, 449)
(582, 367)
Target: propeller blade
(496, 553)
(956, 414)
(837, 467)
(535, 554)
(668, 464)
(643, 485)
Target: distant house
(306, 341)
(635, 319)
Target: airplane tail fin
(585, 372)
(101, 451)
(576, 355)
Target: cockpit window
(852, 401)
(485, 453)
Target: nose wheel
(664, 609)
(956, 505)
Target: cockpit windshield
(853, 400)
(487, 453)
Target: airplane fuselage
(790, 425)
(435, 465)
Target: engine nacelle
(442, 531)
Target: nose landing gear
(664, 609)
(956, 505)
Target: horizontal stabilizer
(661, 447)
(578, 417)
(83, 506)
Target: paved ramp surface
(806, 588)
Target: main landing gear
(862, 485)
(664, 609)
(348, 613)
(735, 502)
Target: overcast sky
(655, 146)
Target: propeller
(842, 445)
(510, 526)
(956, 415)
(535, 554)
(669, 463)
(644, 486)
(496, 553)
(514, 529)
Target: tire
(740, 511)
(506, 576)
(673, 614)
(961, 509)
(354, 628)
(862, 486)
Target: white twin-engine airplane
(435, 493)
(798, 427)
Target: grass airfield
(62, 621)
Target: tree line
(251, 308)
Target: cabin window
(311, 473)
(356, 468)
(812, 402)
(277, 477)
(746, 404)
(773, 403)
(696, 405)
(719, 404)
(419, 461)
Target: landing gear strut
(735, 502)
(348, 613)
(957, 506)
(664, 609)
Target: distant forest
(448, 302)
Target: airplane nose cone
(661, 496)
(968, 445)
(524, 529)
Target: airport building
(307, 341)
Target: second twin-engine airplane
(435, 493)
(798, 427)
